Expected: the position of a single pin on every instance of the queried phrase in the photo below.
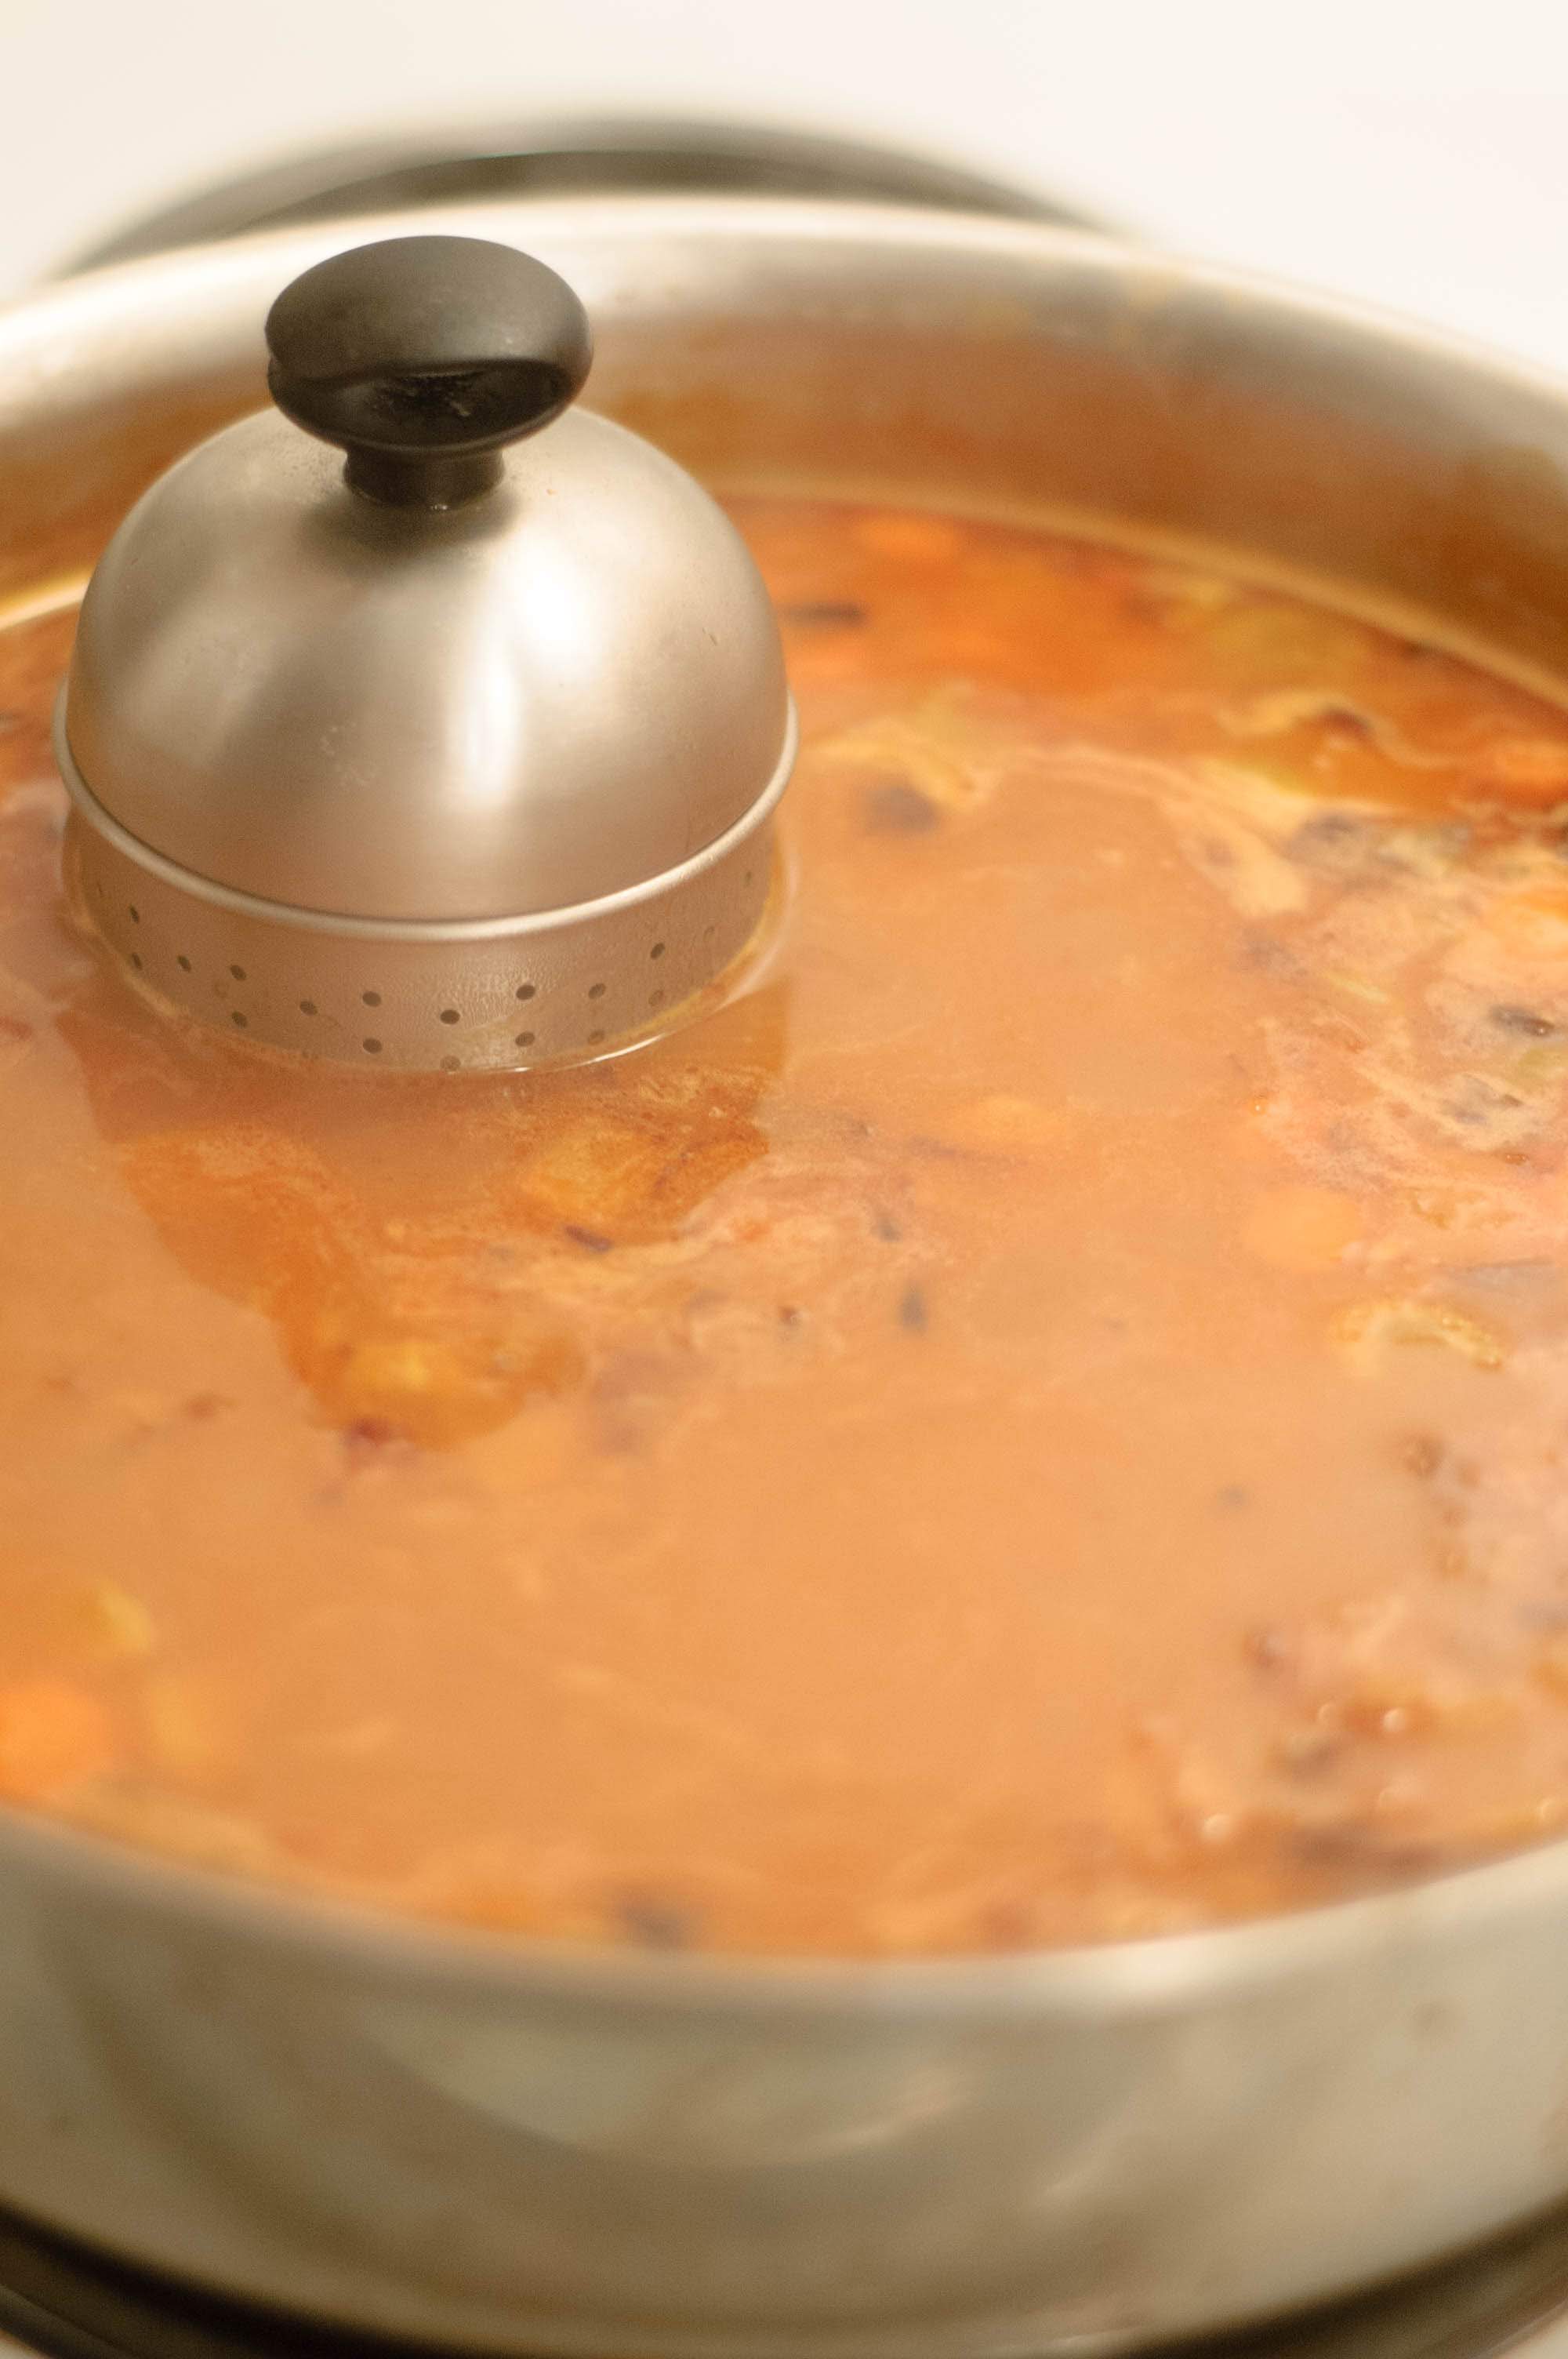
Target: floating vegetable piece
(1366, 1331)
(942, 749)
(1279, 710)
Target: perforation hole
(594, 1039)
(183, 964)
(136, 961)
(134, 914)
(526, 990)
(596, 991)
(524, 1040)
(238, 972)
(237, 1021)
(655, 998)
(308, 1008)
(371, 1048)
(657, 950)
(450, 1015)
(371, 999)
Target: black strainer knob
(421, 357)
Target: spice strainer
(444, 754)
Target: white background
(1413, 154)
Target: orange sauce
(1042, 1417)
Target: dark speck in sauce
(1524, 1019)
(368, 1437)
(656, 1922)
(912, 1313)
(895, 808)
(824, 614)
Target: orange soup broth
(1037, 1415)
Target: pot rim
(412, 163)
(87, 296)
(50, 338)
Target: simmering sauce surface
(1041, 1416)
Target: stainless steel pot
(529, 2150)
